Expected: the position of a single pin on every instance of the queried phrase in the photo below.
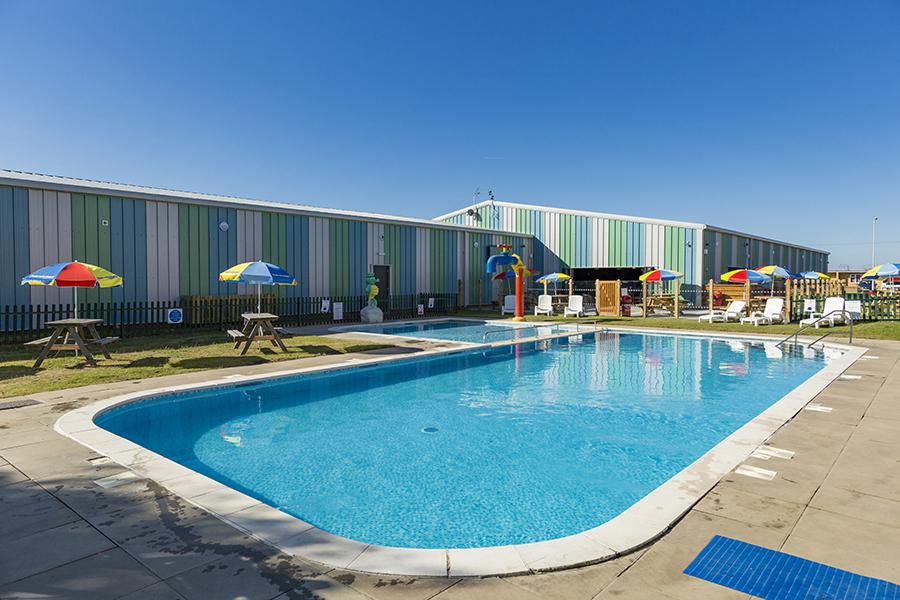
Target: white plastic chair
(809, 306)
(832, 314)
(509, 305)
(544, 305)
(733, 312)
(771, 313)
(575, 307)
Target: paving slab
(480, 589)
(90, 500)
(10, 475)
(102, 576)
(49, 549)
(254, 571)
(740, 505)
(857, 505)
(575, 584)
(390, 587)
(662, 565)
(853, 544)
(322, 588)
(171, 548)
(157, 591)
(26, 508)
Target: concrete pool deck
(837, 500)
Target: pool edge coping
(639, 525)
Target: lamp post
(874, 220)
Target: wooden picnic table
(257, 327)
(76, 334)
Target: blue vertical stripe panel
(14, 246)
(297, 259)
(358, 235)
(20, 255)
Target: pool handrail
(794, 335)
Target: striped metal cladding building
(168, 244)
(571, 239)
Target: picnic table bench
(257, 327)
(72, 334)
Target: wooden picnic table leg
(46, 349)
(95, 337)
(246, 331)
(249, 341)
(88, 355)
(276, 336)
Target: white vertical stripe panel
(35, 244)
(319, 265)
(249, 242)
(50, 239)
(152, 251)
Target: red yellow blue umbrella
(74, 275)
(660, 275)
(745, 275)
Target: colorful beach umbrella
(813, 275)
(882, 271)
(74, 275)
(660, 275)
(745, 275)
(553, 278)
(776, 271)
(258, 273)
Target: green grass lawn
(875, 330)
(153, 356)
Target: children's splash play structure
(508, 259)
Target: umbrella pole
(75, 291)
(258, 297)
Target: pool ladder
(794, 335)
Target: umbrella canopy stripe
(881, 271)
(512, 274)
(73, 274)
(776, 271)
(553, 277)
(257, 273)
(813, 275)
(661, 275)
(744, 276)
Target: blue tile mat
(775, 575)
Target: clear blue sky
(778, 118)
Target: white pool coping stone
(639, 525)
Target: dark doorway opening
(383, 275)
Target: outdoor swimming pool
(519, 444)
(457, 330)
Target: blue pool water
(524, 443)
(458, 331)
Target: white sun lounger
(575, 307)
(771, 313)
(509, 305)
(733, 312)
(544, 305)
(832, 314)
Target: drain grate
(8, 404)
